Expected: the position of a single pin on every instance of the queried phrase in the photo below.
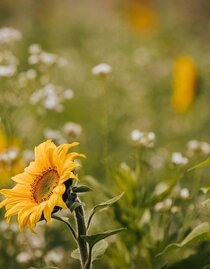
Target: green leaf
(198, 234)
(200, 165)
(93, 239)
(106, 204)
(75, 205)
(103, 206)
(75, 254)
(81, 189)
(99, 250)
(158, 197)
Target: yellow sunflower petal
(47, 213)
(39, 189)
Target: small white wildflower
(145, 139)
(194, 147)
(136, 135)
(72, 129)
(55, 135)
(159, 206)
(48, 58)
(151, 139)
(12, 153)
(7, 70)
(184, 193)
(35, 49)
(175, 209)
(102, 69)
(33, 59)
(9, 155)
(31, 74)
(167, 203)
(55, 255)
(178, 159)
(24, 257)
(205, 147)
(9, 35)
(68, 94)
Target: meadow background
(50, 91)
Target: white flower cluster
(164, 205)
(101, 69)
(55, 255)
(51, 97)
(27, 76)
(178, 159)
(145, 139)
(10, 155)
(8, 64)
(194, 147)
(70, 129)
(39, 56)
(9, 35)
(184, 194)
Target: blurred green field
(159, 82)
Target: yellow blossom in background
(185, 78)
(42, 184)
(142, 16)
(11, 162)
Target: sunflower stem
(81, 229)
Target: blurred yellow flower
(42, 184)
(185, 77)
(10, 161)
(142, 17)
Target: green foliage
(97, 252)
(95, 238)
(198, 234)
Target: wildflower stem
(81, 229)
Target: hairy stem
(81, 229)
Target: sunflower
(185, 82)
(40, 188)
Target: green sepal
(75, 205)
(81, 189)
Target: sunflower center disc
(45, 185)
